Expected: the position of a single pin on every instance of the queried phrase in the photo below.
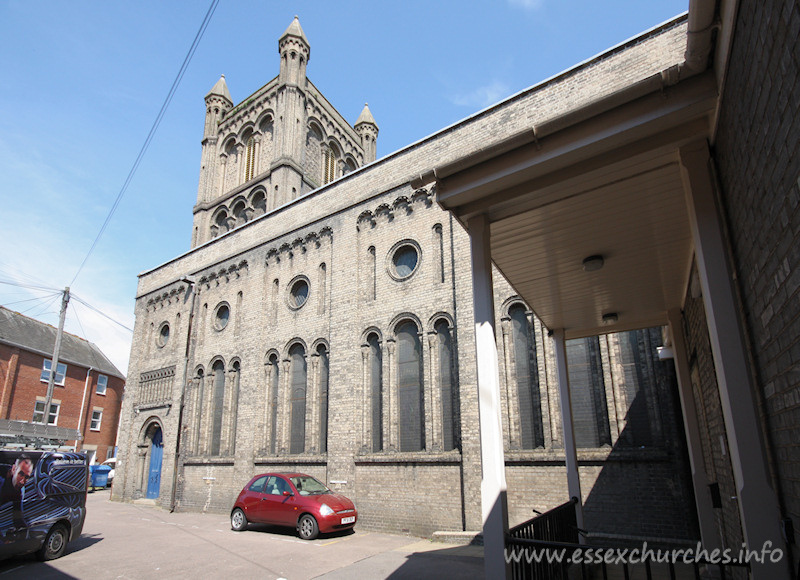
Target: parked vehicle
(42, 501)
(294, 500)
(112, 463)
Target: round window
(404, 260)
(163, 334)
(298, 293)
(221, 316)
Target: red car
(294, 500)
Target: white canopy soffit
(604, 180)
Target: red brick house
(87, 395)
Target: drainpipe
(173, 496)
(83, 401)
(702, 22)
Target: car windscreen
(307, 485)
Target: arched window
(323, 398)
(239, 212)
(230, 444)
(273, 401)
(376, 391)
(527, 377)
(447, 384)
(250, 157)
(297, 358)
(259, 202)
(633, 346)
(221, 223)
(409, 388)
(328, 164)
(588, 394)
(217, 406)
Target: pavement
(122, 540)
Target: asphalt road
(134, 541)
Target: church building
(323, 322)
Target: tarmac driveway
(134, 541)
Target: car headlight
(325, 510)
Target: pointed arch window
(298, 385)
(409, 388)
(527, 379)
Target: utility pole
(56, 351)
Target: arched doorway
(154, 472)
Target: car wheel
(307, 527)
(55, 544)
(238, 520)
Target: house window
(409, 387)
(97, 418)
(527, 377)
(376, 390)
(38, 413)
(102, 384)
(297, 356)
(61, 372)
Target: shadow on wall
(642, 488)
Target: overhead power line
(152, 132)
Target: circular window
(298, 293)
(404, 259)
(163, 334)
(221, 316)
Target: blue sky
(83, 82)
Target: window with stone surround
(448, 386)
(274, 389)
(322, 381)
(526, 379)
(410, 411)
(374, 388)
(588, 394)
(297, 388)
(217, 406)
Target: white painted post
(758, 503)
(702, 494)
(565, 400)
(493, 477)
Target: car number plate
(349, 520)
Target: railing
(546, 547)
(560, 524)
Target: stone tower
(280, 143)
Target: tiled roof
(29, 334)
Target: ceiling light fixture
(593, 263)
(610, 318)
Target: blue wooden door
(156, 453)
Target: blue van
(42, 501)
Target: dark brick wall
(716, 459)
(758, 162)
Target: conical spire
(365, 117)
(295, 30)
(221, 90)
